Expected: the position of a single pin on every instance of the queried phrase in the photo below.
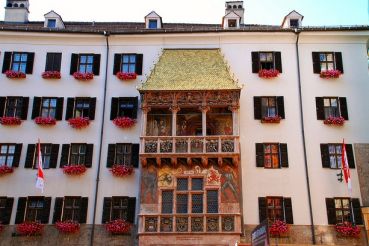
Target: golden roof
(186, 69)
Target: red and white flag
(40, 172)
(346, 168)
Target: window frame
(17, 108)
(232, 23)
(152, 22)
(75, 210)
(281, 209)
(45, 155)
(122, 209)
(7, 154)
(126, 155)
(128, 110)
(342, 209)
(37, 210)
(51, 21)
(337, 156)
(87, 64)
(271, 154)
(129, 63)
(325, 62)
(330, 108)
(78, 155)
(20, 62)
(84, 111)
(49, 107)
(265, 110)
(264, 64)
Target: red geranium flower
(45, 121)
(330, 74)
(121, 170)
(51, 75)
(15, 74)
(79, 122)
(268, 73)
(10, 121)
(338, 121)
(30, 228)
(67, 227)
(271, 119)
(4, 169)
(83, 76)
(74, 170)
(126, 76)
(124, 122)
(118, 226)
(347, 229)
(278, 228)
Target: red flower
(30, 228)
(338, 121)
(268, 73)
(121, 170)
(10, 121)
(83, 76)
(15, 74)
(74, 170)
(271, 119)
(278, 228)
(79, 122)
(51, 75)
(45, 121)
(347, 229)
(118, 226)
(330, 74)
(124, 122)
(67, 227)
(4, 169)
(126, 76)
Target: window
(331, 154)
(128, 63)
(335, 155)
(85, 63)
(124, 107)
(35, 208)
(81, 107)
(268, 107)
(15, 107)
(70, 208)
(18, 61)
(123, 154)
(45, 155)
(323, 61)
(167, 202)
(271, 155)
(77, 154)
(342, 206)
(266, 60)
(119, 207)
(294, 23)
(51, 23)
(53, 62)
(10, 154)
(6, 207)
(212, 201)
(153, 24)
(326, 61)
(48, 107)
(49, 153)
(343, 209)
(275, 208)
(331, 107)
(232, 23)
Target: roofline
(145, 90)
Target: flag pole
(346, 171)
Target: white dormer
(231, 20)
(292, 20)
(53, 20)
(153, 21)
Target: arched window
(15, 5)
(229, 6)
(240, 6)
(235, 6)
(21, 5)
(9, 5)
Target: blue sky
(316, 12)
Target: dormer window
(232, 23)
(153, 24)
(51, 23)
(294, 23)
(53, 20)
(153, 21)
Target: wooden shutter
(114, 108)
(7, 61)
(135, 107)
(21, 209)
(350, 155)
(54, 155)
(17, 154)
(70, 108)
(343, 107)
(58, 208)
(53, 62)
(59, 108)
(257, 108)
(357, 211)
(280, 107)
(139, 62)
(117, 63)
(46, 210)
(96, 66)
(89, 154)
(91, 112)
(131, 209)
(7, 212)
(320, 108)
(135, 155)
(331, 211)
(25, 102)
(324, 153)
(283, 154)
(259, 154)
(2, 106)
(316, 62)
(31, 149)
(74, 64)
(255, 62)
(83, 210)
(64, 160)
(30, 59)
(106, 210)
(278, 61)
(262, 209)
(36, 107)
(111, 155)
(288, 210)
(339, 63)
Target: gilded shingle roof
(197, 69)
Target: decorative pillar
(174, 109)
(235, 119)
(145, 111)
(204, 109)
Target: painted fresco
(149, 185)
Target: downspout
(106, 34)
(297, 32)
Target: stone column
(235, 119)
(174, 109)
(204, 109)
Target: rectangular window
(182, 184)
(197, 203)
(128, 63)
(167, 202)
(86, 63)
(232, 23)
(123, 154)
(14, 107)
(7, 153)
(53, 61)
(78, 154)
(331, 108)
(126, 108)
(51, 23)
(343, 209)
(34, 210)
(269, 107)
(212, 201)
(82, 107)
(327, 61)
(271, 156)
(275, 208)
(71, 208)
(45, 155)
(48, 107)
(294, 22)
(335, 155)
(119, 208)
(19, 62)
(182, 203)
(266, 60)
(153, 24)
(197, 184)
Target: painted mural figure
(229, 183)
(149, 186)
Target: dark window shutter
(350, 155)
(91, 112)
(331, 211)
(111, 155)
(59, 108)
(57, 61)
(257, 108)
(53, 61)
(31, 149)
(139, 62)
(278, 61)
(17, 154)
(58, 208)
(5, 217)
(262, 209)
(70, 108)
(64, 160)
(117, 63)
(25, 102)
(21, 209)
(357, 211)
(316, 62)
(131, 209)
(74, 64)
(339, 63)
(288, 210)
(30, 59)
(135, 107)
(83, 210)
(255, 62)
(36, 107)
(89, 154)
(114, 107)
(46, 211)
(320, 108)
(135, 155)
(284, 154)
(259, 154)
(54, 155)
(343, 108)
(7, 61)
(106, 210)
(324, 153)
(2, 105)
(280, 107)
(96, 68)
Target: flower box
(51, 75)
(10, 121)
(279, 228)
(121, 170)
(126, 76)
(338, 121)
(67, 227)
(79, 122)
(118, 227)
(15, 74)
(271, 119)
(124, 122)
(268, 73)
(4, 169)
(29, 228)
(45, 121)
(330, 74)
(74, 170)
(346, 229)
(83, 76)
